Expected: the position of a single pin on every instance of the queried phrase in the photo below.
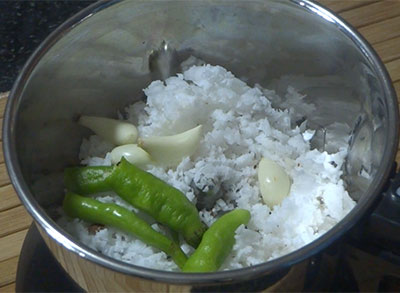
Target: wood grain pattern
(394, 69)
(388, 50)
(362, 16)
(3, 102)
(4, 179)
(396, 86)
(1, 153)
(381, 31)
(344, 5)
(8, 271)
(8, 198)
(11, 244)
(378, 21)
(1, 129)
(8, 288)
(14, 220)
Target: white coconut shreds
(239, 128)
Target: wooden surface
(378, 21)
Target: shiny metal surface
(99, 61)
(94, 278)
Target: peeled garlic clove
(132, 153)
(170, 150)
(115, 131)
(274, 182)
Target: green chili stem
(88, 180)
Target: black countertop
(23, 26)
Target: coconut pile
(240, 127)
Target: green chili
(88, 180)
(217, 242)
(164, 203)
(94, 211)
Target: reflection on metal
(101, 65)
(322, 13)
(163, 62)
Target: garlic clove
(274, 182)
(115, 131)
(170, 150)
(132, 153)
